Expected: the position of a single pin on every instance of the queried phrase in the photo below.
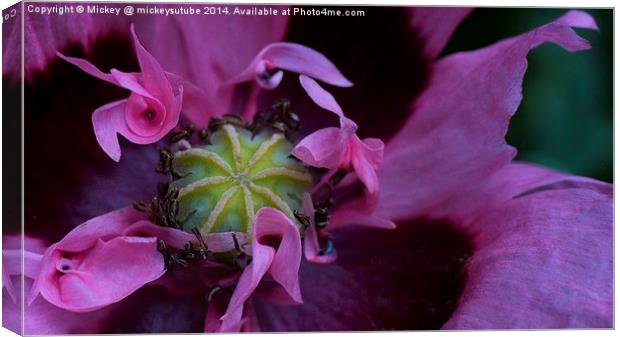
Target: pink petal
(366, 158)
(281, 263)
(40, 317)
(435, 25)
(543, 260)
(323, 148)
(455, 137)
(109, 120)
(89, 68)
(320, 96)
(141, 127)
(295, 58)
(43, 318)
(153, 76)
(82, 272)
(196, 105)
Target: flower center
(223, 184)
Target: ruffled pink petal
(82, 272)
(282, 262)
(435, 25)
(292, 57)
(455, 137)
(543, 260)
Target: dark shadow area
(379, 53)
(164, 313)
(409, 278)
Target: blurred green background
(565, 120)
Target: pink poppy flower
(433, 223)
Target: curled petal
(109, 120)
(141, 119)
(40, 316)
(327, 147)
(320, 96)
(152, 109)
(282, 262)
(366, 158)
(88, 68)
(264, 76)
(295, 58)
(95, 265)
(153, 75)
(323, 148)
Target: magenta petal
(543, 260)
(436, 24)
(89, 68)
(320, 96)
(262, 256)
(40, 316)
(82, 272)
(153, 76)
(366, 158)
(323, 148)
(285, 266)
(43, 318)
(295, 58)
(196, 105)
(109, 120)
(282, 263)
(455, 137)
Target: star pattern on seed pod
(226, 182)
